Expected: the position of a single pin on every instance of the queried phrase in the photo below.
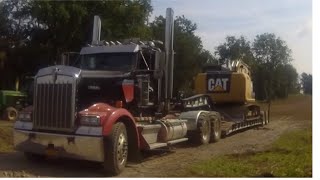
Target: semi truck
(117, 101)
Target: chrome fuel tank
(172, 129)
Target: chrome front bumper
(70, 146)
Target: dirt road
(287, 115)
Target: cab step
(159, 145)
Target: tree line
(269, 58)
(306, 83)
(33, 34)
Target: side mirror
(159, 65)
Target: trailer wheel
(10, 114)
(264, 117)
(267, 117)
(215, 127)
(203, 132)
(116, 149)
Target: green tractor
(11, 102)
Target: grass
(290, 156)
(297, 105)
(292, 98)
(6, 140)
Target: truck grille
(54, 107)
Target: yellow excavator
(225, 85)
(229, 92)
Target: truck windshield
(107, 61)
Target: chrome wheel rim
(216, 128)
(122, 148)
(205, 130)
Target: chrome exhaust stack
(169, 65)
(96, 31)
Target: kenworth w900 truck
(116, 101)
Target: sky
(291, 20)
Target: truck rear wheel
(215, 127)
(10, 114)
(203, 132)
(116, 149)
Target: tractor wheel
(116, 149)
(10, 114)
(203, 132)
(215, 127)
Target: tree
(48, 28)
(286, 81)
(33, 34)
(189, 53)
(14, 22)
(271, 54)
(120, 19)
(13, 38)
(269, 60)
(306, 82)
(234, 49)
(271, 50)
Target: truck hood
(78, 73)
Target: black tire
(215, 126)
(34, 157)
(203, 132)
(116, 150)
(10, 114)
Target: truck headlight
(90, 120)
(23, 116)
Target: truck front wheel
(116, 149)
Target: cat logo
(218, 83)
